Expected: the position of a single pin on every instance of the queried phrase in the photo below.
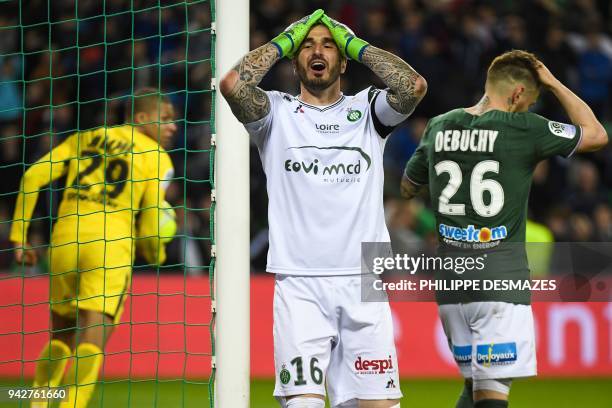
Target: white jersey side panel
(324, 169)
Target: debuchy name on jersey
(479, 171)
(324, 168)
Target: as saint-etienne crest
(285, 376)
(353, 115)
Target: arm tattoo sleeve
(404, 92)
(248, 102)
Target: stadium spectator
(561, 59)
(10, 89)
(10, 156)
(585, 193)
(595, 70)
(411, 35)
(603, 223)
(404, 142)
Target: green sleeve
(417, 168)
(553, 138)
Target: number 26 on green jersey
(478, 186)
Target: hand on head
(289, 41)
(546, 77)
(350, 46)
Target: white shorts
(491, 340)
(325, 335)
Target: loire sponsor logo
(472, 234)
(496, 354)
(374, 366)
(327, 128)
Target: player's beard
(318, 84)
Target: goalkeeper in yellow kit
(112, 174)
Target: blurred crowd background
(72, 64)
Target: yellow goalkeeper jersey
(111, 174)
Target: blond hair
(515, 66)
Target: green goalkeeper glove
(288, 42)
(349, 45)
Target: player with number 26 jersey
(479, 163)
(474, 163)
(479, 170)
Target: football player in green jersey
(478, 163)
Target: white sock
(305, 402)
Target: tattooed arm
(406, 86)
(239, 86)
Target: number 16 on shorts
(301, 375)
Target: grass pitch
(531, 393)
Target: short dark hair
(515, 65)
(144, 99)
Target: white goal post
(232, 335)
